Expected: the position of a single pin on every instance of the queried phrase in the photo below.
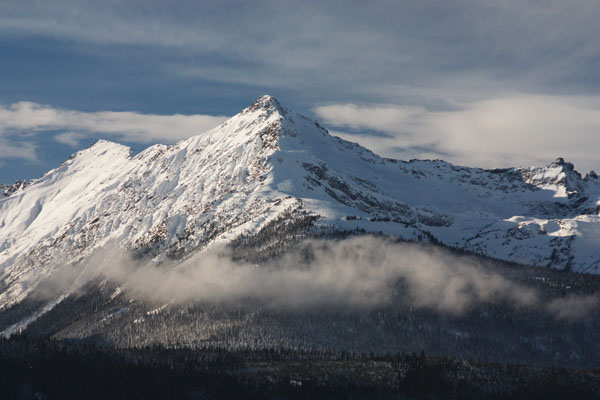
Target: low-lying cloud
(515, 130)
(361, 272)
(574, 307)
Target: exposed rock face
(7, 190)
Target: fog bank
(360, 271)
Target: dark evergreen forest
(41, 368)
(100, 342)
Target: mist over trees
(482, 326)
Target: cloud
(386, 118)
(17, 150)
(574, 307)
(70, 138)
(31, 118)
(430, 55)
(23, 120)
(336, 44)
(515, 130)
(360, 271)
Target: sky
(480, 83)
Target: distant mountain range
(269, 167)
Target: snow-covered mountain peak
(105, 148)
(560, 162)
(263, 127)
(264, 113)
(266, 102)
(559, 176)
(269, 164)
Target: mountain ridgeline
(268, 167)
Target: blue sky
(479, 83)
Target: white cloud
(387, 118)
(359, 271)
(69, 138)
(26, 119)
(18, 150)
(131, 126)
(334, 45)
(514, 130)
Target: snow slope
(169, 201)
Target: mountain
(269, 169)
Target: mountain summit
(269, 168)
